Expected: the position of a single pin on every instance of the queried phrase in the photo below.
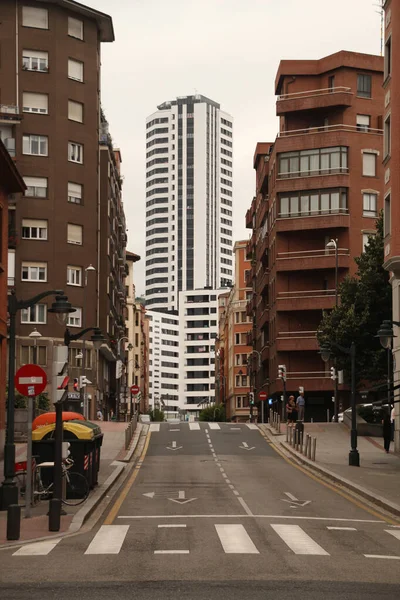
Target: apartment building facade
(234, 352)
(321, 180)
(49, 121)
(391, 159)
(189, 171)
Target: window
(35, 17)
(363, 122)
(34, 229)
(36, 187)
(34, 60)
(75, 152)
(366, 239)
(241, 380)
(388, 57)
(75, 111)
(34, 314)
(74, 275)
(369, 164)
(28, 355)
(387, 217)
(34, 271)
(75, 318)
(74, 234)
(74, 192)
(75, 28)
(364, 84)
(320, 161)
(75, 69)
(331, 82)
(370, 204)
(36, 145)
(387, 137)
(313, 202)
(35, 103)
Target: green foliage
(42, 401)
(213, 413)
(365, 301)
(156, 415)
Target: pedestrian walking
(300, 403)
(387, 431)
(99, 415)
(290, 408)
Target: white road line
(382, 556)
(225, 475)
(171, 525)
(236, 428)
(235, 539)
(194, 426)
(236, 493)
(395, 534)
(214, 426)
(246, 508)
(342, 528)
(231, 486)
(38, 548)
(218, 464)
(154, 427)
(241, 516)
(298, 540)
(291, 496)
(251, 425)
(173, 429)
(108, 540)
(171, 551)
(228, 481)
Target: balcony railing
(305, 294)
(9, 109)
(320, 253)
(327, 128)
(296, 334)
(314, 213)
(312, 93)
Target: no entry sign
(135, 390)
(262, 395)
(30, 380)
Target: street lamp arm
(71, 337)
(15, 304)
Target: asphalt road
(208, 511)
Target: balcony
(249, 249)
(250, 213)
(338, 127)
(306, 300)
(314, 99)
(9, 113)
(263, 317)
(312, 381)
(305, 260)
(337, 219)
(296, 341)
(262, 281)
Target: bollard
(13, 522)
(327, 415)
(279, 424)
(54, 514)
(301, 442)
(287, 432)
(309, 447)
(314, 449)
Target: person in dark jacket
(387, 431)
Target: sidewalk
(113, 449)
(378, 476)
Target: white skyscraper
(189, 147)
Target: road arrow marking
(150, 495)
(291, 496)
(174, 447)
(298, 503)
(182, 498)
(246, 446)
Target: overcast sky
(227, 50)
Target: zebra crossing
(155, 427)
(233, 539)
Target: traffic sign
(30, 380)
(135, 390)
(262, 395)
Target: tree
(213, 413)
(156, 415)
(365, 301)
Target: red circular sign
(30, 380)
(135, 390)
(262, 395)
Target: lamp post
(333, 244)
(118, 386)
(386, 336)
(325, 351)
(82, 392)
(61, 308)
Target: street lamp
(88, 269)
(61, 308)
(325, 351)
(118, 386)
(333, 245)
(386, 335)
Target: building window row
(156, 161)
(38, 18)
(226, 182)
(157, 151)
(157, 171)
(226, 142)
(157, 131)
(227, 153)
(156, 201)
(225, 162)
(226, 123)
(157, 141)
(318, 161)
(226, 172)
(226, 132)
(312, 203)
(156, 122)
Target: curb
(391, 507)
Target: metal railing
(318, 92)
(9, 109)
(313, 213)
(129, 431)
(282, 335)
(327, 128)
(306, 294)
(320, 253)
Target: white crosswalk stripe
(298, 540)
(37, 548)
(235, 539)
(154, 427)
(252, 426)
(108, 540)
(194, 426)
(394, 533)
(214, 426)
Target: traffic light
(60, 377)
(66, 450)
(76, 385)
(333, 373)
(251, 397)
(282, 372)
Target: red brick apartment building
(321, 179)
(391, 167)
(11, 183)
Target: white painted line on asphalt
(218, 464)
(236, 493)
(171, 551)
(236, 428)
(173, 429)
(222, 469)
(228, 481)
(231, 486)
(38, 548)
(214, 426)
(171, 525)
(291, 496)
(382, 556)
(154, 427)
(194, 426)
(108, 540)
(214, 455)
(246, 508)
(235, 539)
(225, 475)
(395, 534)
(298, 540)
(241, 516)
(342, 528)
(251, 426)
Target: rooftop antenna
(381, 12)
